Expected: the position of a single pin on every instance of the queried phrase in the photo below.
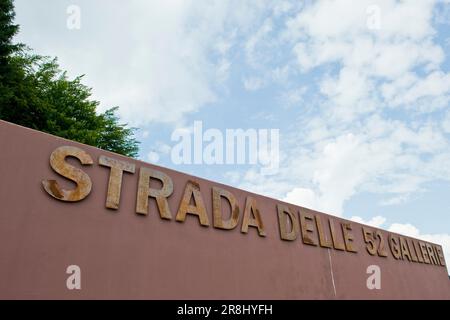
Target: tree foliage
(36, 93)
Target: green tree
(36, 93)
(8, 74)
(7, 31)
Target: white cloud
(253, 83)
(352, 145)
(347, 19)
(281, 74)
(294, 97)
(151, 58)
(259, 38)
(394, 200)
(436, 84)
(232, 176)
(370, 62)
(282, 7)
(223, 70)
(335, 177)
(381, 156)
(163, 148)
(303, 197)
(406, 229)
(446, 122)
(376, 221)
(153, 157)
(158, 150)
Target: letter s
(59, 165)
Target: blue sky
(358, 90)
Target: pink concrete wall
(125, 255)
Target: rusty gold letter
(192, 189)
(323, 241)
(395, 247)
(404, 249)
(336, 244)
(252, 217)
(287, 221)
(412, 251)
(232, 222)
(59, 165)
(348, 237)
(440, 255)
(144, 191)
(423, 249)
(418, 252)
(431, 253)
(115, 179)
(307, 227)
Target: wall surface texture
(127, 255)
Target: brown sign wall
(124, 254)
